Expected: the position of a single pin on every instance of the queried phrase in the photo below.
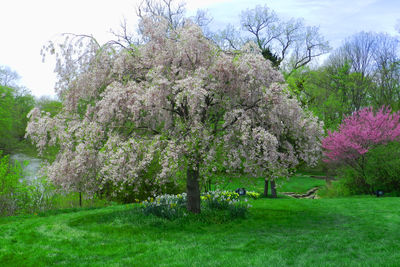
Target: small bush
(11, 188)
(38, 195)
(382, 170)
(17, 195)
(338, 188)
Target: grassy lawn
(299, 183)
(361, 231)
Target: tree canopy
(175, 100)
(15, 104)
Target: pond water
(30, 170)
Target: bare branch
(279, 40)
(8, 77)
(173, 13)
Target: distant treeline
(15, 104)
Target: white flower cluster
(221, 199)
(174, 103)
(166, 200)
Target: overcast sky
(26, 25)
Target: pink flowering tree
(360, 132)
(175, 99)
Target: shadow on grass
(64, 211)
(260, 220)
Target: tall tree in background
(50, 105)
(289, 45)
(172, 11)
(374, 58)
(386, 75)
(364, 71)
(15, 103)
(24, 102)
(8, 77)
(358, 52)
(14, 107)
(6, 116)
(323, 91)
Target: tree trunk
(80, 199)
(193, 190)
(273, 189)
(266, 187)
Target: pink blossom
(360, 132)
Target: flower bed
(174, 206)
(253, 194)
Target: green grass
(71, 200)
(299, 183)
(356, 231)
(278, 232)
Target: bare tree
(8, 77)
(124, 37)
(387, 71)
(202, 18)
(171, 10)
(308, 46)
(290, 43)
(263, 23)
(174, 12)
(229, 38)
(357, 51)
(167, 9)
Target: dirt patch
(309, 194)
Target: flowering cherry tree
(359, 133)
(174, 99)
